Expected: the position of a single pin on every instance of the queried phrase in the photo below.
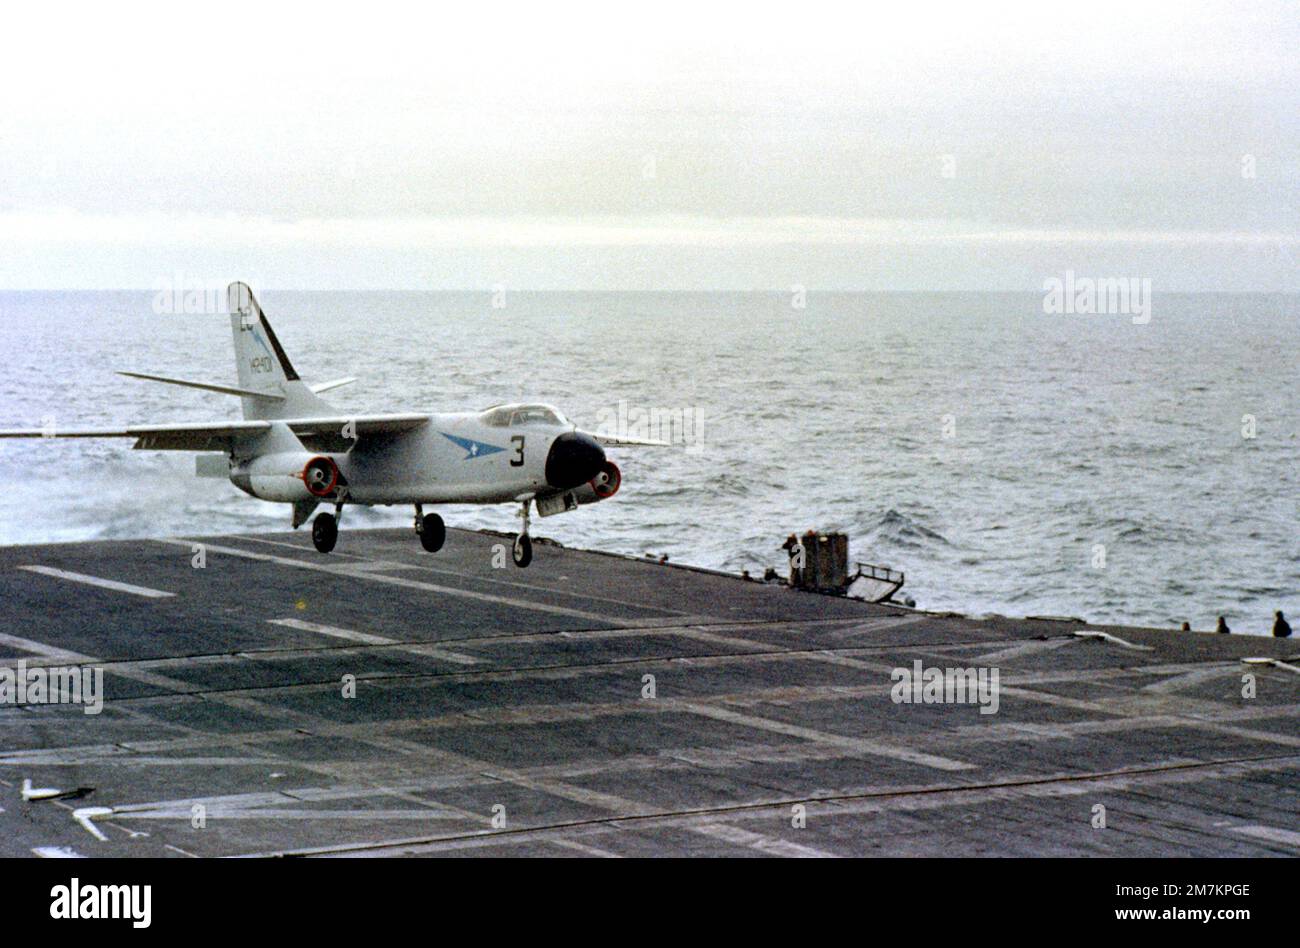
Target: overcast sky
(652, 146)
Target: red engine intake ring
(606, 483)
(315, 486)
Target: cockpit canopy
(504, 416)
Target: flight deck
(262, 699)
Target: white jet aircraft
(292, 447)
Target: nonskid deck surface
(599, 705)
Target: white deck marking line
(676, 615)
(38, 793)
(86, 814)
(1032, 647)
(1133, 718)
(122, 668)
(1066, 701)
(559, 788)
(98, 581)
(1270, 833)
(1130, 706)
(1272, 663)
(1171, 684)
(860, 745)
(282, 813)
(848, 661)
(712, 638)
(1112, 639)
(878, 624)
(871, 625)
(57, 852)
(368, 565)
(764, 844)
(584, 848)
(1250, 734)
(41, 649)
(344, 573)
(431, 650)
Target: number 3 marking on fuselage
(518, 459)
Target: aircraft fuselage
(455, 458)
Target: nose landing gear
(522, 553)
(432, 531)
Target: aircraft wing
(199, 436)
(344, 430)
(616, 441)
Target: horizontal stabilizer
(333, 383)
(206, 386)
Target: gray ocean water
(985, 448)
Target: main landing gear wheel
(324, 532)
(432, 531)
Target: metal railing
(882, 573)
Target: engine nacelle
(289, 476)
(601, 487)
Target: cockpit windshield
(504, 416)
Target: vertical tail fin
(263, 365)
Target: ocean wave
(900, 530)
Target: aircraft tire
(324, 532)
(523, 550)
(433, 533)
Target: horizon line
(784, 291)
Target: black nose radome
(574, 459)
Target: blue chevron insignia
(473, 449)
